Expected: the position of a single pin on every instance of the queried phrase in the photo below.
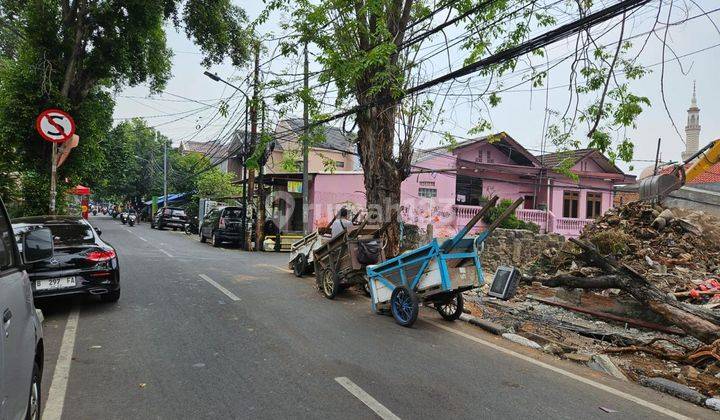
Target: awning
(171, 198)
(79, 190)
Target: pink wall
(330, 192)
(472, 153)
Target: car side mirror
(37, 245)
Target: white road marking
(142, 239)
(606, 388)
(128, 230)
(285, 270)
(217, 285)
(166, 253)
(58, 387)
(367, 399)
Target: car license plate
(52, 284)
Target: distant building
(215, 151)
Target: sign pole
(55, 126)
(53, 178)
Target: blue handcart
(434, 273)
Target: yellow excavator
(657, 187)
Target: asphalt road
(177, 346)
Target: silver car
(21, 337)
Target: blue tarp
(171, 198)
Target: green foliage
(216, 184)
(511, 222)
(72, 55)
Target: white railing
(548, 222)
(539, 217)
(569, 226)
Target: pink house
(447, 187)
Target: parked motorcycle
(191, 227)
(131, 219)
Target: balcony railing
(548, 222)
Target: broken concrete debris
(675, 389)
(625, 292)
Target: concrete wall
(695, 199)
(518, 248)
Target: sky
(187, 108)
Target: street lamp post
(244, 153)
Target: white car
(21, 336)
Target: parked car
(222, 224)
(169, 217)
(21, 345)
(83, 263)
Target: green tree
(369, 50)
(216, 184)
(71, 54)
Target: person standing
(341, 224)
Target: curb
(675, 389)
(488, 326)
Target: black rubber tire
(329, 288)
(36, 386)
(202, 238)
(174, 229)
(451, 310)
(111, 297)
(215, 242)
(402, 293)
(300, 265)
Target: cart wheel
(329, 285)
(300, 265)
(404, 306)
(452, 309)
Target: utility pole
(157, 135)
(253, 131)
(53, 178)
(305, 152)
(260, 227)
(657, 157)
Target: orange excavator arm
(657, 187)
(706, 159)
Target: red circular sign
(55, 126)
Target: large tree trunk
(701, 324)
(376, 137)
(383, 171)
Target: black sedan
(82, 264)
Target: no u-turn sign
(55, 126)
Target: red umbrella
(80, 190)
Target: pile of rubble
(580, 299)
(676, 250)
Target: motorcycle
(124, 217)
(191, 227)
(131, 219)
(94, 212)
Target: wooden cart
(336, 261)
(435, 273)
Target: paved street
(203, 332)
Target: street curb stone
(673, 388)
(521, 340)
(489, 326)
(713, 403)
(603, 363)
